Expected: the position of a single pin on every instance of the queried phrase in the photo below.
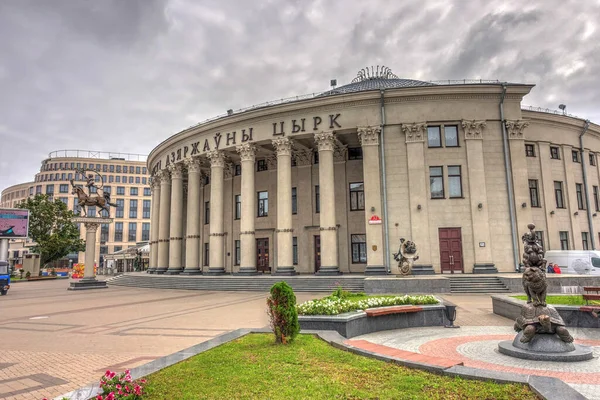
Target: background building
(126, 179)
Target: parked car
(581, 262)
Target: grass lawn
(253, 367)
(568, 300)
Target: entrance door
(451, 250)
(317, 253)
(262, 255)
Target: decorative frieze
(325, 141)
(328, 228)
(473, 129)
(217, 159)
(175, 238)
(415, 132)
(217, 234)
(284, 230)
(163, 240)
(247, 151)
(247, 233)
(515, 129)
(369, 135)
(283, 146)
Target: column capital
(164, 177)
(473, 129)
(247, 151)
(228, 170)
(369, 135)
(192, 164)
(325, 141)
(283, 146)
(271, 162)
(303, 157)
(154, 182)
(414, 132)
(91, 226)
(176, 170)
(217, 159)
(339, 153)
(515, 128)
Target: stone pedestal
(545, 347)
(89, 281)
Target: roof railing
(104, 155)
(548, 111)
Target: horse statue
(102, 201)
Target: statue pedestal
(89, 280)
(545, 347)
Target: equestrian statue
(88, 199)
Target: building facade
(126, 179)
(330, 183)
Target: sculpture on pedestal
(406, 256)
(87, 199)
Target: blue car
(4, 278)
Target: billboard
(14, 223)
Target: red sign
(375, 220)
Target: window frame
(237, 212)
(133, 210)
(237, 252)
(459, 176)
(317, 199)
(441, 177)
(576, 156)
(534, 194)
(596, 198)
(295, 250)
(592, 157)
(554, 153)
(557, 192)
(261, 210)
(585, 243)
(446, 136)
(529, 150)
(261, 165)
(439, 137)
(564, 241)
(539, 235)
(579, 196)
(206, 257)
(357, 196)
(206, 212)
(294, 201)
(361, 246)
(355, 153)
(130, 231)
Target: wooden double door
(262, 255)
(451, 257)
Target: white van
(581, 262)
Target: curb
(546, 387)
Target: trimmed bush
(282, 313)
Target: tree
(282, 313)
(52, 229)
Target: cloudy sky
(122, 75)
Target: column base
(247, 271)
(86, 284)
(376, 270)
(195, 271)
(214, 271)
(173, 271)
(286, 271)
(329, 271)
(151, 270)
(160, 271)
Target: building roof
(376, 84)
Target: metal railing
(104, 155)
(548, 111)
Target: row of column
(167, 210)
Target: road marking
(43, 317)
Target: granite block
(553, 389)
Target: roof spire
(378, 72)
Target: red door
(317, 253)
(451, 250)
(262, 255)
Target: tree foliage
(282, 313)
(52, 229)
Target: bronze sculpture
(407, 254)
(87, 199)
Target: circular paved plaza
(477, 347)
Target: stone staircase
(260, 283)
(477, 284)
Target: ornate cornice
(247, 151)
(515, 129)
(473, 129)
(415, 132)
(369, 135)
(217, 234)
(329, 228)
(247, 233)
(176, 170)
(193, 165)
(284, 230)
(325, 141)
(217, 159)
(303, 157)
(283, 146)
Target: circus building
(329, 183)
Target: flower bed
(333, 305)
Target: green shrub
(340, 293)
(28, 274)
(282, 313)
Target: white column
(328, 229)
(192, 240)
(369, 140)
(176, 220)
(285, 257)
(163, 226)
(216, 265)
(90, 249)
(154, 223)
(247, 153)
(3, 249)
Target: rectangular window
(118, 231)
(238, 206)
(237, 254)
(596, 198)
(146, 209)
(107, 189)
(120, 213)
(434, 138)
(50, 190)
(454, 181)
(118, 169)
(355, 153)
(117, 248)
(63, 176)
(261, 165)
(317, 200)
(63, 189)
(294, 201)
(91, 211)
(436, 182)
(117, 179)
(132, 234)
(98, 167)
(120, 190)
(131, 179)
(206, 255)
(144, 170)
(564, 240)
(76, 208)
(529, 150)
(539, 235)
(359, 248)
(237, 169)
(133, 191)
(357, 196)
(65, 200)
(554, 153)
(451, 135)
(147, 191)
(207, 212)
(145, 231)
(295, 250)
(104, 168)
(133, 204)
(138, 170)
(38, 189)
(534, 196)
(579, 192)
(263, 204)
(137, 180)
(103, 233)
(592, 159)
(584, 240)
(558, 194)
(316, 157)
(111, 168)
(575, 154)
(144, 181)
(103, 250)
